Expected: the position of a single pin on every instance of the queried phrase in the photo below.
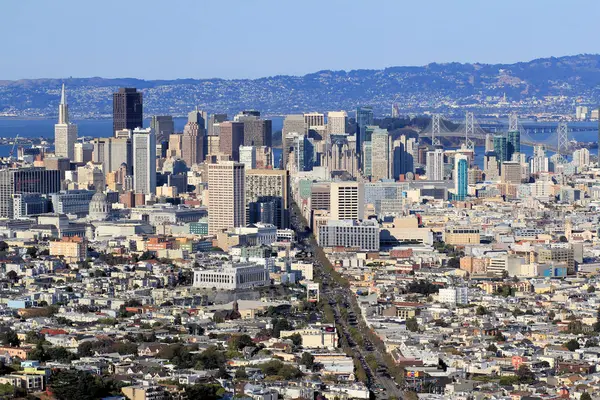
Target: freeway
(339, 297)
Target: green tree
(70, 384)
(572, 345)
(591, 289)
(525, 375)
(9, 338)
(209, 391)
(296, 339)
(412, 324)
(238, 342)
(481, 310)
(308, 360)
(241, 374)
(585, 396)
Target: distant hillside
(452, 85)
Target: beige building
(315, 337)
(381, 167)
(73, 249)
(175, 145)
(145, 392)
(336, 122)
(347, 200)
(511, 172)
(462, 235)
(226, 196)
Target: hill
(448, 86)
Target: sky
(157, 39)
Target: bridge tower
(562, 133)
(435, 129)
(469, 130)
(513, 121)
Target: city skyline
(93, 50)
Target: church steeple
(63, 108)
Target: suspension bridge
(555, 138)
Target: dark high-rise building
(128, 110)
(513, 144)
(257, 132)
(501, 148)
(364, 117)
(25, 180)
(231, 138)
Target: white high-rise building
(336, 122)
(144, 160)
(581, 157)
(65, 133)
(381, 167)
(226, 196)
(435, 165)
(347, 200)
(248, 156)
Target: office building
(304, 153)
(294, 124)
(360, 235)
(213, 124)
(462, 235)
(513, 144)
(226, 196)
(364, 117)
(381, 165)
(347, 200)
(193, 139)
(511, 172)
(581, 157)
(314, 120)
(163, 126)
(76, 202)
(336, 122)
(127, 109)
(231, 137)
(175, 145)
(26, 204)
(435, 165)
(232, 276)
(113, 152)
(248, 157)
(461, 176)
(501, 148)
(144, 161)
(266, 188)
(65, 133)
(320, 196)
(257, 132)
(83, 152)
(25, 180)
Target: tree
(572, 345)
(585, 396)
(241, 374)
(308, 360)
(31, 251)
(591, 289)
(3, 245)
(296, 339)
(238, 342)
(9, 338)
(412, 324)
(12, 275)
(525, 375)
(492, 347)
(481, 310)
(209, 391)
(551, 315)
(563, 239)
(70, 384)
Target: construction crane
(12, 151)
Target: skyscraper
(65, 133)
(194, 139)
(381, 165)
(461, 176)
(112, 153)
(294, 123)
(336, 122)
(304, 153)
(163, 127)
(347, 200)
(231, 137)
(364, 117)
(268, 186)
(144, 161)
(501, 148)
(25, 180)
(434, 167)
(127, 109)
(513, 144)
(226, 196)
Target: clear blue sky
(253, 38)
